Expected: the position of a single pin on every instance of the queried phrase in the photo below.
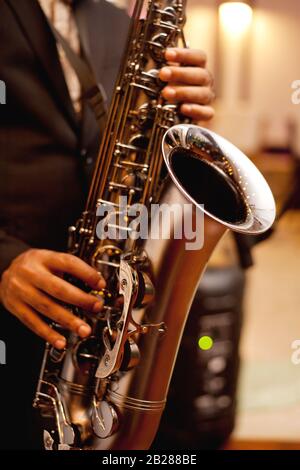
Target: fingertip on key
(101, 283)
(186, 108)
(169, 93)
(98, 307)
(165, 74)
(60, 343)
(171, 54)
(84, 330)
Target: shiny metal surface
(230, 163)
(140, 395)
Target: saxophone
(108, 391)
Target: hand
(32, 286)
(189, 84)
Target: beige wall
(273, 64)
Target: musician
(48, 143)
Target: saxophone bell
(218, 178)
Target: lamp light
(235, 17)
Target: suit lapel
(39, 35)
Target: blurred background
(252, 50)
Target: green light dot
(205, 343)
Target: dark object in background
(200, 412)
(293, 200)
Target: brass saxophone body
(108, 391)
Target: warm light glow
(235, 17)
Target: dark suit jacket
(44, 154)
(43, 147)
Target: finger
(30, 318)
(66, 292)
(46, 306)
(186, 56)
(197, 112)
(70, 264)
(186, 75)
(188, 94)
